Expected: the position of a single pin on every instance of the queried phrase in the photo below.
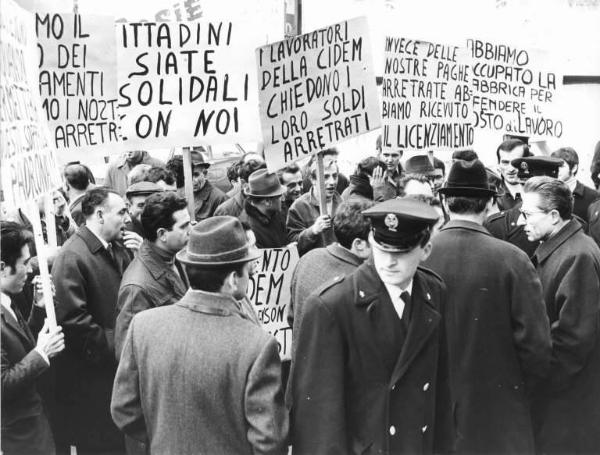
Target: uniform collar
(548, 247)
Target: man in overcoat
(199, 377)
(86, 274)
(500, 337)
(370, 372)
(567, 408)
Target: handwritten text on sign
(185, 82)
(269, 293)
(29, 167)
(425, 96)
(510, 93)
(316, 90)
(78, 83)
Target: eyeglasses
(526, 215)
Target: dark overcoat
(25, 428)
(583, 196)
(500, 339)
(354, 390)
(87, 282)
(568, 407)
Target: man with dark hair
(235, 205)
(116, 174)
(212, 384)
(175, 165)
(510, 192)
(77, 182)
(207, 197)
(320, 265)
(499, 334)
(86, 274)
(290, 178)
(262, 210)
(391, 184)
(365, 182)
(568, 263)
(234, 179)
(162, 177)
(439, 172)
(25, 428)
(136, 196)
(305, 223)
(370, 370)
(583, 196)
(153, 279)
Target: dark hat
(142, 188)
(263, 183)
(419, 164)
(219, 240)
(467, 178)
(398, 225)
(198, 159)
(532, 166)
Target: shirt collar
(6, 301)
(396, 291)
(571, 183)
(102, 241)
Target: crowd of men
(431, 311)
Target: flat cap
(141, 188)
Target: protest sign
(187, 82)
(269, 293)
(316, 90)
(77, 80)
(29, 166)
(425, 101)
(510, 93)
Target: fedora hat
(467, 178)
(419, 164)
(218, 241)
(261, 183)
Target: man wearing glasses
(568, 263)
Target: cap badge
(391, 221)
(524, 167)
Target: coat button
(393, 386)
(425, 387)
(428, 296)
(362, 294)
(392, 430)
(424, 429)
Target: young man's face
(293, 185)
(398, 268)
(564, 172)
(537, 223)
(13, 279)
(391, 158)
(330, 180)
(177, 237)
(508, 171)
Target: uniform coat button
(425, 387)
(392, 430)
(424, 429)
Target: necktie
(405, 296)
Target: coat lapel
(11, 322)
(424, 322)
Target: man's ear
(426, 251)
(2, 266)
(100, 215)
(575, 169)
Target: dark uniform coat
(87, 281)
(594, 221)
(503, 225)
(568, 408)
(500, 340)
(360, 385)
(583, 196)
(505, 199)
(25, 429)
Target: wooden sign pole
(321, 184)
(189, 184)
(50, 220)
(36, 223)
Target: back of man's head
(349, 223)
(77, 177)
(175, 165)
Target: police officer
(503, 225)
(370, 372)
